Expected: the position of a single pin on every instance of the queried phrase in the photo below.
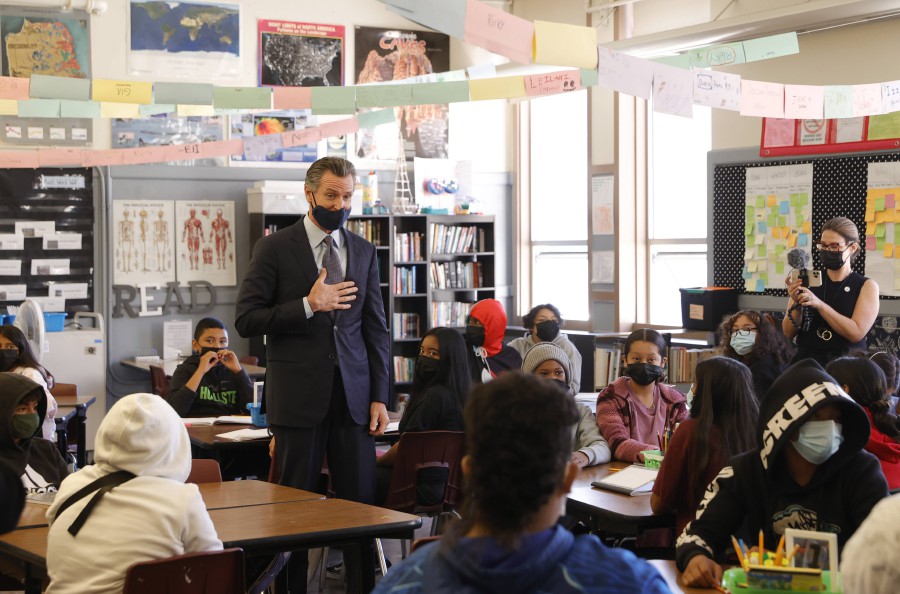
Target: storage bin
(54, 322)
(702, 308)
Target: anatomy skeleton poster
(143, 241)
(205, 241)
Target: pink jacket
(615, 408)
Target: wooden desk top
(170, 365)
(673, 578)
(307, 523)
(207, 436)
(84, 400)
(609, 504)
(28, 545)
(215, 495)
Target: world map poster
(184, 40)
(44, 42)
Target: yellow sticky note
(752, 266)
(890, 216)
(870, 214)
(184, 111)
(897, 252)
(776, 232)
(771, 201)
(763, 266)
(565, 45)
(806, 227)
(9, 107)
(505, 87)
(879, 217)
(889, 250)
(122, 91)
(120, 110)
(792, 241)
(785, 231)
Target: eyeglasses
(743, 331)
(832, 247)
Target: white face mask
(817, 441)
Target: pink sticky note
(102, 157)
(551, 83)
(222, 148)
(60, 157)
(14, 88)
(762, 99)
(339, 128)
(19, 159)
(301, 137)
(870, 242)
(889, 201)
(291, 98)
(499, 31)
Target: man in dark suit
(313, 290)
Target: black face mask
(547, 330)
(832, 260)
(475, 336)
(426, 368)
(8, 358)
(330, 219)
(643, 374)
(204, 350)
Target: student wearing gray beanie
(549, 361)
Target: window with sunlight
(677, 210)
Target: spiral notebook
(631, 480)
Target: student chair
(249, 360)
(215, 572)
(417, 451)
(204, 471)
(60, 389)
(159, 383)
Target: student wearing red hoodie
(489, 357)
(864, 381)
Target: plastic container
(653, 458)
(370, 192)
(54, 322)
(10, 319)
(257, 418)
(702, 308)
(2, 319)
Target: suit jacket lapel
(303, 252)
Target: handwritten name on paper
(498, 31)
(717, 89)
(867, 100)
(890, 96)
(14, 88)
(563, 81)
(301, 137)
(838, 101)
(803, 102)
(762, 99)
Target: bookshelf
(432, 269)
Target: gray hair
(336, 165)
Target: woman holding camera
(834, 318)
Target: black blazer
(301, 353)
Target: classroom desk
(610, 512)
(246, 457)
(255, 372)
(264, 530)
(673, 578)
(74, 409)
(215, 495)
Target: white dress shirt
(317, 244)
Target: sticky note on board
(561, 44)
(764, 277)
(14, 88)
(120, 110)
(761, 202)
(896, 252)
(879, 204)
(771, 201)
(377, 117)
(746, 274)
(896, 234)
(785, 230)
(383, 95)
(749, 211)
(761, 251)
(776, 232)
(749, 285)
(779, 250)
(870, 242)
(761, 226)
(802, 239)
(890, 201)
(792, 241)
(793, 200)
(888, 250)
(779, 268)
(9, 107)
(498, 31)
(802, 199)
(784, 207)
(246, 97)
(770, 221)
(122, 91)
(870, 214)
(890, 216)
(879, 216)
(879, 244)
(753, 266)
(748, 228)
(806, 227)
(782, 221)
(763, 266)
(760, 286)
(879, 230)
(291, 98)
(188, 110)
(760, 238)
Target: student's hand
(230, 360)
(580, 459)
(324, 297)
(378, 418)
(208, 361)
(702, 572)
(272, 448)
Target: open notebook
(631, 480)
(224, 420)
(246, 434)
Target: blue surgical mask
(743, 344)
(818, 441)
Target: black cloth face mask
(832, 260)
(8, 358)
(643, 374)
(426, 368)
(547, 330)
(475, 336)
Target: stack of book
(456, 275)
(403, 368)
(455, 239)
(407, 246)
(405, 280)
(449, 313)
(406, 325)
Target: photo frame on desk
(817, 550)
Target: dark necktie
(332, 262)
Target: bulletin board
(840, 188)
(47, 236)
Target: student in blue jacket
(517, 472)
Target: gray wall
(128, 337)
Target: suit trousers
(301, 451)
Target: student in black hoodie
(37, 461)
(810, 472)
(211, 382)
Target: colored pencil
(779, 552)
(794, 552)
(762, 548)
(740, 554)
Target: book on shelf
(683, 363)
(405, 280)
(406, 325)
(456, 239)
(407, 246)
(450, 313)
(403, 368)
(456, 275)
(367, 229)
(607, 364)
